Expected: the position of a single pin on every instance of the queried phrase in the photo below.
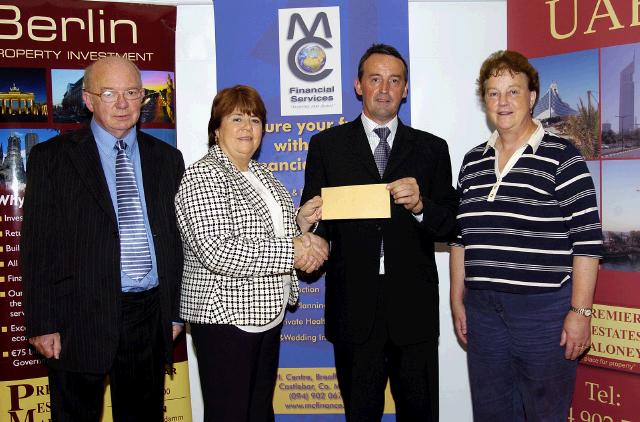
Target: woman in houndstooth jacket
(242, 243)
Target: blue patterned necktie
(381, 153)
(381, 156)
(135, 256)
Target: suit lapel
(85, 158)
(150, 172)
(402, 147)
(358, 146)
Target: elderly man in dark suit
(101, 255)
(381, 281)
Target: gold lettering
(45, 28)
(552, 20)
(132, 24)
(611, 13)
(15, 21)
(31, 26)
(635, 6)
(101, 23)
(90, 24)
(64, 26)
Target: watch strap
(581, 311)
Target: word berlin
(46, 28)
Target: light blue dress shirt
(107, 151)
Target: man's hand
(310, 213)
(310, 252)
(576, 336)
(176, 329)
(406, 192)
(48, 345)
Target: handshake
(310, 250)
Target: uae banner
(588, 56)
(302, 56)
(44, 45)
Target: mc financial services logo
(310, 76)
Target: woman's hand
(456, 293)
(310, 213)
(310, 252)
(459, 315)
(576, 335)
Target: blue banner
(302, 56)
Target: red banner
(45, 33)
(44, 46)
(543, 27)
(587, 54)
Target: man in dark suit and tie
(381, 281)
(101, 255)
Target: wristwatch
(581, 311)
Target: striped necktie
(381, 156)
(135, 256)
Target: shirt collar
(534, 140)
(369, 125)
(107, 141)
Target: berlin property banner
(44, 45)
(302, 56)
(588, 57)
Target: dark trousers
(517, 369)
(136, 377)
(364, 369)
(238, 372)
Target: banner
(588, 57)
(44, 45)
(302, 56)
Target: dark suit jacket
(342, 156)
(70, 248)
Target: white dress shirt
(278, 228)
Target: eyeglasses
(111, 96)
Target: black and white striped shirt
(522, 227)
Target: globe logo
(311, 58)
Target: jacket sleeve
(440, 205)
(179, 257)
(37, 248)
(314, 179)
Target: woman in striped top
(524, 266)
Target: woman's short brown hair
(243, 98)
(511, 61)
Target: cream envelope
(357, 201)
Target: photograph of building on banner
(23, 95)
(620, 217)
(568, 102)
(159, 104)
(620, 67)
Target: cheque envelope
(357, 201)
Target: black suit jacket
(342, 156)
(70, 247)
